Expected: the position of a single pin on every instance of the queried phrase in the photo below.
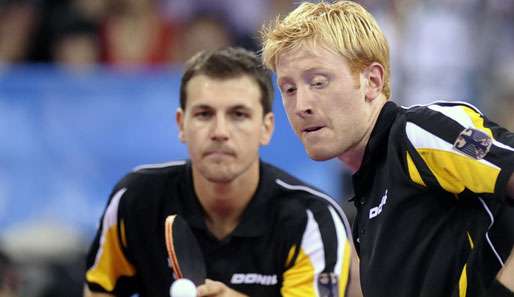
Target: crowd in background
(440, 50)
(126, 33)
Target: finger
(210, 288)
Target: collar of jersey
(252, 222)
(377, 144)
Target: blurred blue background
(67, 138)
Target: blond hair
(345, 27)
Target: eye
(288, 89)
(319, 82)
(203, 114)
(239, 115)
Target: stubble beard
(218, 173)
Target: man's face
(324, 102)
(223, 126)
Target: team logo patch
(328, 285)
(473, 143)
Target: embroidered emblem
(473, 143)
(328, 285)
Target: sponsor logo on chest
(254, 278)
(375, 211)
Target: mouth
(312, 129)
(219, 153)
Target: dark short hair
(226, 63)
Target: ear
(179, 118)
(374, 76)
(268, 126)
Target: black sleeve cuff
(499, 290)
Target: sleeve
(322, 261)
(453, 146)
(108, 269)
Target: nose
(220, 129)
(304, 103)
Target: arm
(219, 289)
(325, 260)
(106, 261)
(215, 289)
(506, 274)
(354, 285)
(300, 278)
(473, 154)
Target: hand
(216, 289)
(506, 274)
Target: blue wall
(65, 139)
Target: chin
(218, 176)
(217, 172)
(220, 179)
(319, 155)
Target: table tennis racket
(185, 255)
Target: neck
(354, 156)
(224, 203)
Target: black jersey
(292, 239)
(430, 193)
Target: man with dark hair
(253, 221)
(225, 64)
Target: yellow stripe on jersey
(123, 234)
(345, 274)
(299, 279)
(413, 171)
(477, 119)
(290, 255)
(455, 172)
(463, 282)
(309, 268)
(110, 263)
(471, 245)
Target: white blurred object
(43, 240)
(439, 53)
(183, 288)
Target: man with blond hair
(432, 183)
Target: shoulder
(441, 122)
(297, 199)
(151, 179)
(459, 111)
(153, 173)
(444, 121)
(171, 167)
(293, 188)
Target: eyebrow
(308, 71)
(315, 70)
(201, 106)
(233, 107)
(240, 106)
